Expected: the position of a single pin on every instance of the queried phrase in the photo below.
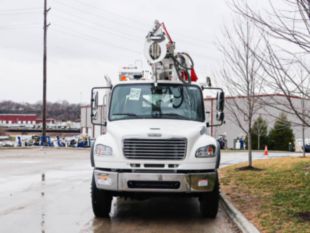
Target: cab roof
(152, 81)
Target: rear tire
(101, 201)
(209, 202)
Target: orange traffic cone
(266, 151)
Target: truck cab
(156, 142)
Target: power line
(75, 19)
(90, 38)
(18, 13)
(97, 22)
(137, 22)
(184, 37)
(19, 24)
(78, 35)
(134, 26)
(91, 13)
(21, 9)
(97, 27)
(94, 51)
(25, 27)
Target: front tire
(101, 201)
(209, 202)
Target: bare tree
(286, 66)
(241, 74)
(291, 79)
(289, 25)
(286, 59)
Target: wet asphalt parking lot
(48, 190)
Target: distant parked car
(307, 147)
(6, 144)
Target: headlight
(205, 152)
(103, 150)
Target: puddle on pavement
(43, 203)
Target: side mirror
(220, 116)
(220, 100)
(98, 105)
(94, 105)
(96, 100)
(208, 79)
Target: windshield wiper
(174, 115)
(125, 114)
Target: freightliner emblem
(154, 135)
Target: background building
(10, 119)
(30, 124)
(268, 109)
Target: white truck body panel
(194, 132)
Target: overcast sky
(90, 38)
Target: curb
(237, 217)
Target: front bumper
(155, 182)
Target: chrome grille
(174, 148)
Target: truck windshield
(167, 101)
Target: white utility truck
(156, 138)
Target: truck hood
(159, 128)
(194, 132)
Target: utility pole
(45, 26)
